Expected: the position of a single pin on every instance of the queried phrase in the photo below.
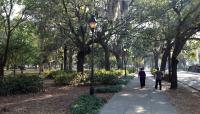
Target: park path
(134, 100)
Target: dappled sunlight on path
(136, 100)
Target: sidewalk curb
(192, 89)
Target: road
(189, 78)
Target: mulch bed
(54, 100)
(185, 100)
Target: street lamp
(93, 25)
(125, 59)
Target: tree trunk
(7, 67)
(179, 44)
(70, 59)
(119, 62)
(21, 71)
(164, 59)
(174, 73)
(65, 59)
(41, 69)
(1, 70)
(107, 59)
(169, 68)
(61, 66)
(156, 57)
(80, 61)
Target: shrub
(46, 74)
(86, 104)
(79, 78)
(71, 78)
(20, 84)
(109, 89)
(63, 78)
(131, 70)
(106, 77)
(153, 71)
(52, 74)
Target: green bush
(132, 70)
(46, 74)
(153, 71)
(63, 78)
(79, 78)
(70, 78)
(20, 84)
(86, 104)
(109, 89)
(119, 72)
(106, 77)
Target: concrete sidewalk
(133, 100)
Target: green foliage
(111, 77)
(107, 77)
(70, 78)
(131, 70)
(153, 71)
(86, 104)
(52, 74)
(20, 84)
(109, 89)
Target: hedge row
(20, 84)
(73, 78)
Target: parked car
(194, 68)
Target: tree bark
(119, 61)
(107, 58)
(169, 68)
(179, 44)
(1, 70)
(80, 61)
(70, 59)
(65, 59)
(164, 60)
(156, 57)
(61, 66)
(166, 54)
(174, 84)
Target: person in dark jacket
(142, 76)
(158, 77)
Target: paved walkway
(133, 100)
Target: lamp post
(93, 25)
(125, 60)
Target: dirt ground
(54, 100)
(186, 101)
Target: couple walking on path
(133, 100)
(158, 77)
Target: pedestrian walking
(158, 77)
(142, 76)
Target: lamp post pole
(93, 24)
(125, 61)
(92, 66)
